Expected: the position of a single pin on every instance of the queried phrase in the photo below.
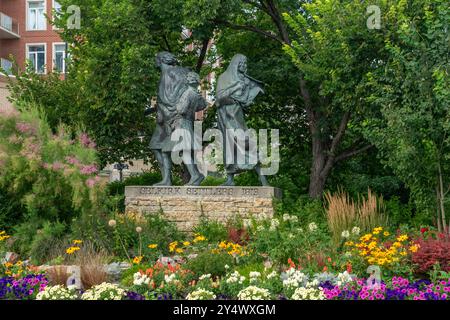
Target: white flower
(247, 223)
(274, 223)
(254, 275)
(293, 278)
(260, 228)
(227, 267)
(140, 279)
(309, 293)
(345, 234)
(57, 292)
(205, 276)
(343, 278)
(104, 291)
(271, 275)
(170, 278)
(235, 277)
(356, 230)
(201, 294)
(312, 227)
(253, 293)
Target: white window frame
(53, 7)
(26, 15)
(28, 45)
(54, 56)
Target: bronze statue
(235, 92)
(177, 102)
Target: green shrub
(47, 239)
(12, 210)
(213, 264)
(53, 176)
(214, 231)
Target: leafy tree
(412, 90)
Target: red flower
(423, 230)
(349, 267)
(291, 263)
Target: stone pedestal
(185, 206)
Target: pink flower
(24, 127)
(72, 160)
(57, 166)
(91, 182)
(89, 169)
(86, 141)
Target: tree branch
(167, 43)
(202, 55)
(267, 34)
(341, 130)
(352, 152)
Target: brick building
(26, 34)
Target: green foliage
(123, 241)
(58, 99)
(287, 238)
(214, 264)
(45, 241)
(412, 90)
(214, 231)
(49, 178)
(117, 188)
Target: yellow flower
(77, 242)
(172, 246)
(179, 250)
(19, 263)
(396, 244)
(372, 245)
(137, 259)
(349, 243)
(386, 234)
(152, 246)
(402, 238)
(403, 253)
(223, 245)
(8, 272)
(199, 238)
(186, 243)
(366, 237)
(71, 250)
(414, 248)
(215, 251)
(8, 264)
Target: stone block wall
(185, 206)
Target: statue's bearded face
(165, 58)
(243, 66)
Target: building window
(36, 56)
(59, 57)
(36, 15)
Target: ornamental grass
(343, 213)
